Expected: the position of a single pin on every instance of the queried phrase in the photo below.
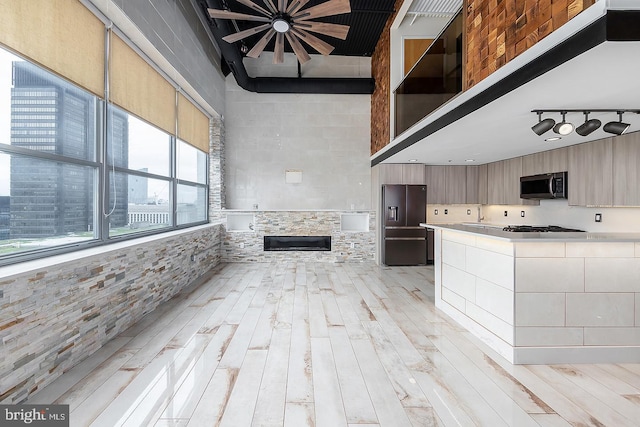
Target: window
(192, 184)
(55, 192)
(48, 178)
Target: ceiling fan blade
(319, 45)
(255, 7)
(296, 5)
(331, 7)
(282, 7)
(270, 6)
(262, 43)
(232, 38)
(334, 30)
(302, 54)
(278, 50)
(226, 14)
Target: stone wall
(243, 246)
(54, 316)
(217, 190)
(499, 30)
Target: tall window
(71, 175)
(192, 184)
(48, 168)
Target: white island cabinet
(542, 298)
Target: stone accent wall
(217, 190)
(51, 318)
(243, 246)
(499, 30)
(380, 100)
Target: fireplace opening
(297, 243)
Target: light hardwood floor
(328, 345)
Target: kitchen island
(540, 298)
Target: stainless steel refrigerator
(404, 208)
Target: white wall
(327, 137)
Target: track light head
(564, 127)
(616, 128)
(588, 126)
(543, 125)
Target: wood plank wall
(381, 72)
(499, 30)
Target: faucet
(480, 218)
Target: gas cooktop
(543, 229)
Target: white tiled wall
(326, 137)
(477, 280)
(590, 298)
(550, 275)
(553, 302)
(600, 309)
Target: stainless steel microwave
(544, 186)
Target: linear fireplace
(297, 243)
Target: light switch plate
(598, 217)
(522, 214)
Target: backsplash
(451, 214)
(558, 212)
(550, 212)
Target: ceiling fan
(288, 20)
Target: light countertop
(495, 231)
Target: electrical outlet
(446, 211)
(241, 245)
(193, 258)
(522, 214)
(598, 217)
(435, 211)
(505, 213)
(353, 245)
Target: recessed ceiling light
(470, 160)
(553, 138)
(413, 160)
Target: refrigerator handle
(393, 213)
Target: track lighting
(564, 127)
(616, 128)
(543, 125)
(588, 126)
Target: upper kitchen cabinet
(436, 178)
(413, 174)
(503, 180)
(400, 173)
(446, 185)
(477, 184)
(546, 162)
(390, 173)
(590, 176)
(625, 166)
